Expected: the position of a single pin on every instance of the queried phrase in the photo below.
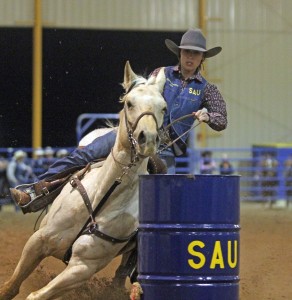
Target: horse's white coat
(118, 217)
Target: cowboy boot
(41, 188)
(20, 198)
(156, 165)
(33, 197)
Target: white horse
(137, 139)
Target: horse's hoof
(7, 294)
(136, 291)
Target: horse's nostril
(141, 138)
(147, 138)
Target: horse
(117, 219)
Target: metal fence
(257, 182)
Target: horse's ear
(129, 76)
(158, 80)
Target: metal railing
(254, 186)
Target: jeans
(99, 148)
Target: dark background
(82, 73)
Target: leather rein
(165, 135)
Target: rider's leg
(99, 148)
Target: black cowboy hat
(193, 39)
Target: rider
(185, 91)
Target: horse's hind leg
(127, 265)
(31, 256)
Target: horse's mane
(139, 80)
(110, 124)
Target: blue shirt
(186, 96)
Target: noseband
(131, 128)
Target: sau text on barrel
(188, 240)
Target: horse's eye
(129, 105)
(164, 110)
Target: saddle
(46, 191)
(45, 196)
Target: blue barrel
(188, 240)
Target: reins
(164, 130)
(177, 120)
(166, 135)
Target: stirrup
(24, 186)
(42, 201)
(27, 188)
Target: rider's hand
(202, 115)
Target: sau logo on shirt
(194, 91)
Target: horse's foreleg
(88, 257)
(31, 256)
(75, 274)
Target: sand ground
(265, 256)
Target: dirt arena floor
(265, 258)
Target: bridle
(163, 131)
(131, 129)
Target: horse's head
(144, 109)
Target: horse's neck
(119, 163)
